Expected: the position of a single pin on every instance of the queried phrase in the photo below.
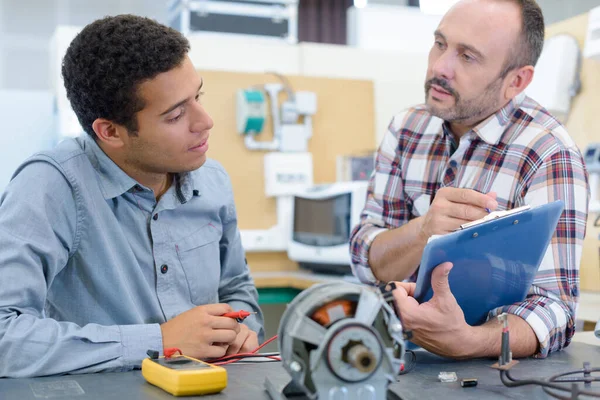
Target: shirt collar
(114, 181)
(185, 186)
(490, 130)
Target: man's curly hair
(109, 59)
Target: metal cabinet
(271, 19)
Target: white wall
(386, 27)
(28, 127)
(243, 54)
(26, 25)
(398, 77)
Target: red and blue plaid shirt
(524, 155)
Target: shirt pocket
(200, 258)
(419, 203)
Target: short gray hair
(531, 40)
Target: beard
(464, 111)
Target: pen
(239, 316)
(488, 210)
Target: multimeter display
(181, 363)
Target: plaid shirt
(524, 155)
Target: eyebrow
(472, 49)
(180, 103)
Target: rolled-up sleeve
(551, 303)
(385, 206)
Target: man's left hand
(438, 325)
(245, 342)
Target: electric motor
(342, 341)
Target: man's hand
(201, 332)
(245, 342)
(453, 207)
(438, 325)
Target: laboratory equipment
(288, 167)
(289, 135)
(340, 341)
(275, 20)
(181, 375)
(322, 218)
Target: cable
(242, 361)
(551, 384)
(243, 355)
(286, 84)
(264, 344)
(240, 356)
(254, 353)
(409, 363)
(587, 378)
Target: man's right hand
(201, 332)
(453, 207)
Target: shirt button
(164, 268)
(155, 216)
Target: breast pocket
(419, 203)
(200, 259)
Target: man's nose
(201, 120)
(443, 67)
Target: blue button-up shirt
(91, 263)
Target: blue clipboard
(495, 259)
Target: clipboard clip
(495, 215)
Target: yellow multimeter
(182, 375)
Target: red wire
(169, 352)
(227, 359)
(238, 359)
(243, 355)
(264, 344)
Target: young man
(124, 239)
(477, 143)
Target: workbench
(247, 381)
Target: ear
(109, 133)
(518, 80)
